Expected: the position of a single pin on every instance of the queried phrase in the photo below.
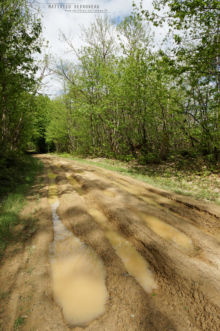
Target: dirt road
(111, 253)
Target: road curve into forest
(112, 253)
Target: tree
(19, 41)
(195, 25)
(129, 100)
(42, 108)
(57, 127)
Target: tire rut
(179, 247)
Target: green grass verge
(13, 199)
(19, 322)
(200, 183)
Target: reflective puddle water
(75, 184)
(134, 263)
(78, 275)
(52, 188)
(100, 218)
(109, 193)
(169, 233)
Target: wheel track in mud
(118, 282)
(176, 282)
(173, 239)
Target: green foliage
(57, 130)
(194, 26)
(43, 108)
(19, 40)
(19, 322)
(20, 30)
(13, 186)
(126, 100)
(14, 171)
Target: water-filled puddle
(134, 263)
(100, 218)
(168, 232)
(75, 184)
(78, 275)
(109, 193)
(52, 188)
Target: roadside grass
(186, 177)
(19, 322)
(13, 200)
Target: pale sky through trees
(56, 20)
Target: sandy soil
(117, 255)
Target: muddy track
(121, 255)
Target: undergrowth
(13, 198)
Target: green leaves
(138, 103)
(19, 40)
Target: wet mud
(112, 253)
(77, 273)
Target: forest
(126, 96)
